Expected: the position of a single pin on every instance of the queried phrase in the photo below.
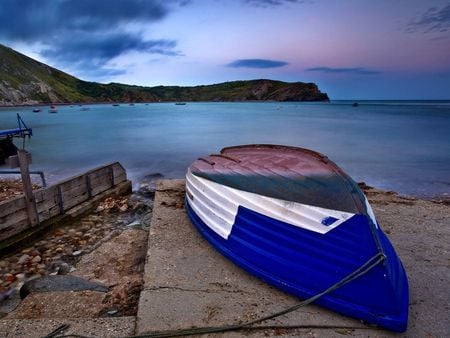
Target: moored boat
(53, 109)
(293, 218)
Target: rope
(363, 269)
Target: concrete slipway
(188, 284)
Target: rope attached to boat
(362, 270)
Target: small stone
(20, 277)
(9, 277)
(23, 259)
(34, 252)
(36, 259)
(123, 208)
(26, 251)
(68, 251)
(112, 312)
(59, 232)
(77, 253)
(59, 250)
(63, 269)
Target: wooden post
(28, 188)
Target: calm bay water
(401, 146)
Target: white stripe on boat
(217, 206)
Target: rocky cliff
(24, 81)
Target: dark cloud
(271, 3)
(100, 48)
(256, 63)
(85, 32)
(434, 20)
(28, 20)
(354, 70)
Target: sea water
(397, 145)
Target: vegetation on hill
(27, 81)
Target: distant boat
(53, 109)
(116, 105)
(84, 109)
(36, 110)
(180, 103)
(355, 104)
(131, 104)
(293, 218)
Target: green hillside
(27, 81)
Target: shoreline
(10, 188)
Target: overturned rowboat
(294, 219)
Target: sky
(352, 49)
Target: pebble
(46, 256)
(23, 259)
(36, 259)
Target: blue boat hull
(305, 263)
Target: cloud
(256, 63)
(100, 48)
(41, 19)
(434, 20)
(88, 33)
(354, 70)
(271, 3)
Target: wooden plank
(120, 178)
(74, 196)
(47, 204)
(27, 187)
(39, 195)
(74, 192)
(14, 218)
(73, 183)
(53, 200)
(49, 213)
(100, 180)
(74, 200)
(102, 186)
(100, 172)
(119, 173)
(14, 229)
(12, 205)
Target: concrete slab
(188, 284)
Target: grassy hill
(27, 81)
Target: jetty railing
(56, 199)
